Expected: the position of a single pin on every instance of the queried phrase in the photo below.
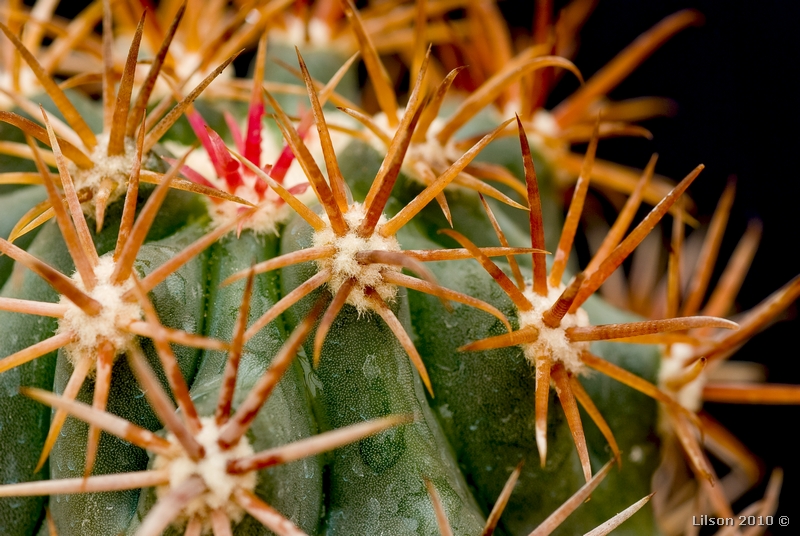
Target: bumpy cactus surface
(229, 307)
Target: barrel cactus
(252, 313)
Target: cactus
(252, 316)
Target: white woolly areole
(553, 342)
(343, 263)
(187, 67)
(116, 168)
(265, 220)
(429, 152)
(544, 124)
(545, 137)
(294, 34)
(690, 396)
(212, 469)
(91, 331)
(272, 211)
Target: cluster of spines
(335, 198)
(78, 144)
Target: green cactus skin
(24, 422)
(322, 64)
(26, 434)
(376, 486)
(180, 301)
(484, 400)
(296, 489)
(493, 428)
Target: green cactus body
(32, 429)
(180, 301)
(25, 422)
(485, 401)
(322, 63)
(491, 428)
(376, 486)
(296, 489)
(320, 388)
